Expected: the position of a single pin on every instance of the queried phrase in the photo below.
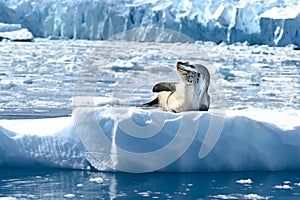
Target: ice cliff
(273, 22)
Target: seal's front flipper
(164, 86)
(152, 103)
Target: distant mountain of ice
(135, 140)
(272, 22)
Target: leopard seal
(191, 94)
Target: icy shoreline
(250, 140)
(274, 23)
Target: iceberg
(112, 138)
(280, 26)
(273, 23)
(14, 32)
(40, 143)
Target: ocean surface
(73, 184)
(40, 79)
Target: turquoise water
(59, 184)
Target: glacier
(271, 22)
(138, 140)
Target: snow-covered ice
(97, 180)
(8, 198)
(240, 196)
(246, 141)
(283, 187)
(245, 181)
(69, 195)
(273, 22)
(14, 32)
(41, 143)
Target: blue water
(59, 184)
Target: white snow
(144, 194)
(14, 32)
(30, 128)
(143, 140)
(240, 196)
(7, 198)
(69, 195)
(97, 180)
(245, 181)
(297, 184)
(287, 12)
(232, 21)
(283, 187)
(254, 196)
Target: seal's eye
(192, 66)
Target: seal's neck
(187, 96)
(191, 96)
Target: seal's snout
(181, 64)
(185, 67)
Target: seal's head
(193, 74)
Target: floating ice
(14, 32)
(283, 187)
(297, 184)
(249, 140)
(69, 195)
(41, 143)
(8, 198)
(280, 25)
(245, 181)
(97, 180)
(240, 196)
